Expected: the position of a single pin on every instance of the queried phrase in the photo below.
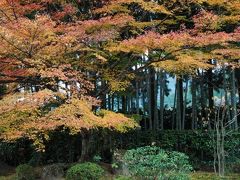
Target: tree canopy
(67, 56)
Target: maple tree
(43, 51)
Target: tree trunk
(233, 100)
(85, 147)
(162, 94)
(137, 97)
(150, 93)
(228, 117)
(179, 103)
(237, 76)
(118, 103)
(124, 108)
(194, 104)
(185, 105)
(109, 102)
(174, 123)
(112, 103)
(143, 106)
(210, 89)
(210, 96)
(156, 120)
(203, 99)
(103, 97)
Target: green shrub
(25, 172)
(153, 162)
(85, 171)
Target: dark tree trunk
(103, 97)
(185, 105)
(210, 88)
(194, 104)
(237, 76)
(112, 103)
(85, 147)
(152, 97)
(156, 120)
(137, 97)
(162, 84)
(124, 104)
(210, 96)
(179, 113)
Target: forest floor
(211, 176)
(6, 170)
(8, 173)
(194, 176)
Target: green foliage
(136, 117)
(193, 143)
(2, 89)
(97, 158)
(25, 172)
(115, 165)
(17, 152)
(151, 162)
(85, 171)
(212, 176)
(174, 176)
(123, 178)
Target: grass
(211, 176)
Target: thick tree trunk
(85, 147)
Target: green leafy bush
(85, 171)
(25, 172)
(193, 143)
(152, 162)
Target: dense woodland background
(80, 78)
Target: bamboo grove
(64, 60)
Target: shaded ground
(8, 173)
(211, 176)
(5, 169)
